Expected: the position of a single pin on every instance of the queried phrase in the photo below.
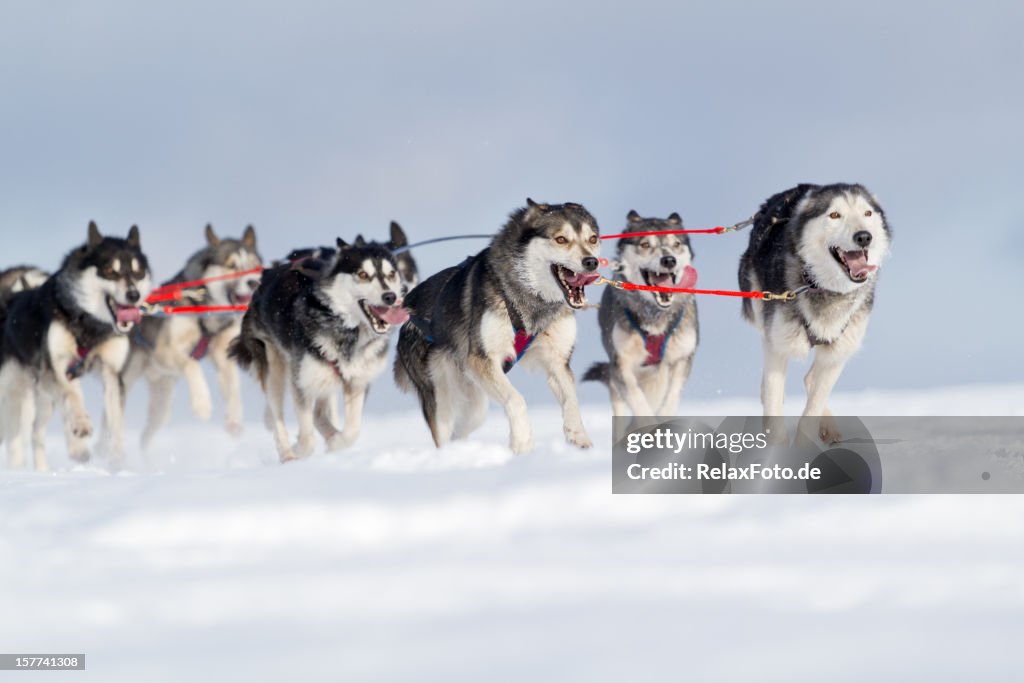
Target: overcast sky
(312, 120)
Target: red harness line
(719, 230)
(174, 289)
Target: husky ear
(398, 238)
(675, 219)
(360, 242)
(94, 234)
(211, 237)
(249, 237)
(632, 216)
(133, 236)
(342, 244)
(533, 208)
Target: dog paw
(80, 454)
(233, 428)
(304, 448)
(828, 431)
(578, 437)
(42, 465)
(81, 427)
(521, 443)
(340, 441)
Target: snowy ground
(395, 561)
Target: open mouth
(125, 316)
(238, 299)
(572, 284)
(669, 279)
(855, 263)
(383, 317)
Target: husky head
(553, 250)
(20, 279)
(363, 284)
(109, 277)
(406, 264)
(841, 235)
(227, 257)
(656, 260)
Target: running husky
(650, 337)
(514, 300)
(77, 320)
(20, 279)
(315, 325)
(399, 244)
(831, 239)
(166, 349)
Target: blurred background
(317, 119)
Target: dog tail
(598, 372)
(249, 353)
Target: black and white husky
(650, 337)
(831, 239)
(165, 349)
(77, 320)
(398, 244)
(316, 325)
(513, 301)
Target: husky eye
(593, 239)
(392, 275)
(834, 215)
(363, 275)
(868, 213)
(645, 245)
(561, 240)
(678, 245)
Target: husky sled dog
(166, 349)
(650, 337)
(512, 301)
(19, 279)
(316, 324)
(77, 320)
(832, 239)
(406, 265)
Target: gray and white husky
(831, 239)
(513, 301)
(77, 320)
(20, 279)
(316, 325)
(650, 337)
(165, 349)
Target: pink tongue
(581, 279)
(243, 298)
(689, 278)
(128, 314)
(857, 262)
(395, 315)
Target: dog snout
(133, 296)
(590, 263)
(668, 262)
(862, 238)
(389, 298)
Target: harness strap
(655, 343)
(202, 346)
(520, 345)
(77, 367)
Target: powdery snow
(395, 561)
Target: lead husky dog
(166, 349)
(20, 279)
(650, 337)
(831, 239)
(77, 320)
(514, 300)
(316, 325)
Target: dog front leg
(305, 413)
(563, 386)
(355, 399)
(198, 389)
(44, 412)
(112, 434)
(498, 387)
(677, 378)
(629, 387)
(819, 382)
(229, 381)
